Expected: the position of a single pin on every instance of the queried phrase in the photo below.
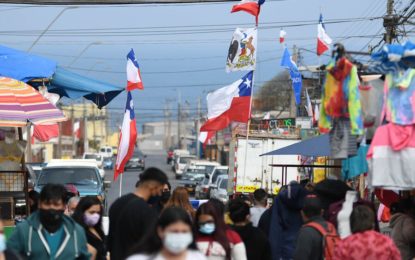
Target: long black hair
(84, 204)
(220, 233)
(152, 243)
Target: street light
(82, 52)
(49, 25)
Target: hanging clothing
(390, 158)
(400, 97)
(356, 165)
(340, 96)
(342, 143)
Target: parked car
(221, 190)
(191, 177)
(97, 157)
(106, 151)
(137, 161)
(180, 164)
(108, 163)
(204, 188)
(83, 174)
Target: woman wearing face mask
(180, 199)
(173, 239)
(214, 239)
(88, 214)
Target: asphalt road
(129, 179)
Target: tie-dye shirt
(340, 96)
(400, 97)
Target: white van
(106, 151)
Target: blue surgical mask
(207, 228)
(2, 243)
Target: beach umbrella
(21, 104)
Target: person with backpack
(317, 238)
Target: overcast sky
(182, 47)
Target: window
(217, 173)
(223, 184)
(76, 176)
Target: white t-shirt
(191, 255)
(256, 213)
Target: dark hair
(312, 206)
(402, 206)
(362, 219)
(34, 195)
(218, 204)
(152, 243)
(152, 174)
(238, 210)
(219, 235)
(260, 196)
(84, 204)
(53, 193)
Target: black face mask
(51, 219)
(154, 200)
(165, 196)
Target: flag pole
(121, 184)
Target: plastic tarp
(74, 86)
(24, 66)
(316, 146)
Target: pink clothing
(390, 158)
(368, 245)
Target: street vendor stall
(20, 106)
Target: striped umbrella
(21, 103)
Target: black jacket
(310, 242)
(256, 242)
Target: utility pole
(73, 132)
(169, 142)
(390, 21)
(179, 119)
(93, 127)
(293, 105)
(86, 142)
(198, 129)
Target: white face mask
(176, 243)
(2, 243)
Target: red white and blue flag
(323, 40)
(133, 73)
(128, 137)
(249, 6)
(230, 103)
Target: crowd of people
(155, 223)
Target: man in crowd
(256, 242)
(48, 233)
(310, 239)
(131, 216)
(260, 206)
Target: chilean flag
(45, 132)
(204, 137)
(323, 40)
(230, 103)
(77, 129)
(249, 6)
(127, 138)
(133, 73)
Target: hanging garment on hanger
(356, 165)
(342, 143)
(391, 158)
(400, 97)
(340, 96)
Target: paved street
(154, 159)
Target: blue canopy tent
(74, 86)
(316, 146)
(25, 67)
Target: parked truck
(258, 172)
